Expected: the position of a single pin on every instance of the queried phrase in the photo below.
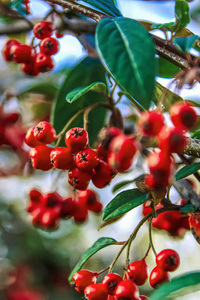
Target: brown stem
(193, 147)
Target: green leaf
(187, 208)
(98, 245)
(106, 6)
(124, 202)
(170, 97)
(196, 134)
(186, 43)
(187, 170)
(119, 42)
(171, 26)
(89, 70)
(166, 69)
(179, 286)
(120, 185)
(80, 91)
(182, 13)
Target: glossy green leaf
(171, 26)
(187, 170)
(170, 97)
(182, 13)
(179, 286)
(196, 134)
(80, 91)
(133, 69)
(186, 43)
(124, 202)
(89, 70)
(120, 185)
(106, 6)
(98, 245)
(166, 69)
(187, 208)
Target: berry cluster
(84, 164)
(114, 287)
(47, 209)
(170, 140)
(171, 221)
(33, 62)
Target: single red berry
(102, 152)
(142, 297)
(45, 132)
(43, 63)
(62, 158)
(80, 213)
(95, 292)
(11, 118)
(138, 271)
(110, 281)
(82, 279)
(89, 197)
(157, 277)
(30, 68)
(43, 29)
(21, 53)
(107, 134)
(35, 197)
(121, 152)
(6, 49)
(168, 260)
(172, 140)
(76, 139)
(49, 219)
(79, 179)
(102, 175)
(40, 158)
(68, 207)
(49, 46)
(87, 159)
(52, 200)
(37, 214)
(127, 289)
(194, 222)
(151, 122)
(30, 140)
(183, 115)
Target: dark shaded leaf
(182, 13)
(186, 43)
(124, 202)
(106, 6)
(89, 70)
(166, 69)
(98, 245)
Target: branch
(193, 147)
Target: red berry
(30, 140)
(82, 279)
(183, 115)
(138, 271)
(43, 29)
(6, 49)
(172, 140)
(40, 158)
(95, 292)
(157, 277)
(35, 197)
(49, 46)
(45, 132)
(168, 260)
(80, 213)
(62, 158)
(87, 159)
(110, 281)
(194, 222)
(79, 179)
(43, 63)
(49, 218)
(89, 197)
(127, 289)
(58, 35)
(110, 297)
(21, 53)
(102, 175)
(30, 67)
(76, 139)
(143, 297)
(121, 152)
(11, 118)
(151, 122)
(68, 207)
